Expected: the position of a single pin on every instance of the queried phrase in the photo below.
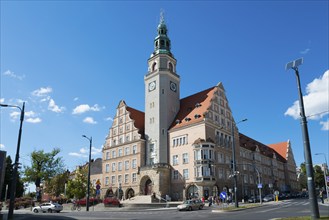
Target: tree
(8, 179)
(56, 185)
(77, 187)
(318, 177)
(44, 166)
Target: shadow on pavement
(32, 217)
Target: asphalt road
(268, 211)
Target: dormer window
(178, 121)
(197, 116)
(197, 105)
(187, 119)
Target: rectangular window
(127, 165)
(175, 159)
(175, 174)
(127, 151)
(135, 149)
(134, 177)
(113, 167)
(185, 173)
(134, 163)
(107, 181)
(107, 168)
(185, 158)
(120, 152)
(126, 178)
(114, 154)
(107, 155)
(119, 178)
(119, 166)
(113, 180)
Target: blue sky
(73, 61)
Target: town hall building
(182, 147)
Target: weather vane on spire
(161, 16)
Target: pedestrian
(210, 201)
(202, 199)
(321, 196)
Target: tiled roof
(251, 144)
(281, 148)
(193, 108)
(138, 118)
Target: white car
(48, 207)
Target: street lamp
(88, 182)
(325, 173)
(307, 149)
(15, 172)
(234, 164)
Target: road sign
(223, 195)
(327, 179)
(260, 186)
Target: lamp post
(325, 173)
(15, 172)
(234, 164)
(88, 182)
(307, 149)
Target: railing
(162, 199)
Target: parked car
(190, 205)
(112, 201)
(48, 207)
(269, 197)
(253, 199)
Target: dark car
(112, 201)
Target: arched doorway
(109, 193)
(130, 193)
(148, 187)
(192, 192)
(119, 193)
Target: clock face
(173, 86)
(151, 86)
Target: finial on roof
(161, 16)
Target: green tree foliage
(56, 185)
(77, 186)
(8, 179)
(44, 166)
(318, 177)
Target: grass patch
(232, 208)
(303, 218)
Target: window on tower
(171, 68)
(154, 66)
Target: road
(268, 211)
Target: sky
(72, 62)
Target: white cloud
(53, 107)
(76, 99)
(305, 51)
(109, 119)
(85, 108)
(325, 125)
(77, 154)
(42, 91)
(316, 100)
(33, 120)
(13, 75)
(2, 100)
(89, 120)
(14, 115)
(2, 146)
(95, 151)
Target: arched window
(154, 66)
(171, 67)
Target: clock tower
(161, 97)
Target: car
(190, 205)
(269, 197)
(112, 201)
(48, 207)
(253, 199)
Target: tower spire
(162, 43)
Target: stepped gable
(251, 144)
(138, 117)
(193, 108)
